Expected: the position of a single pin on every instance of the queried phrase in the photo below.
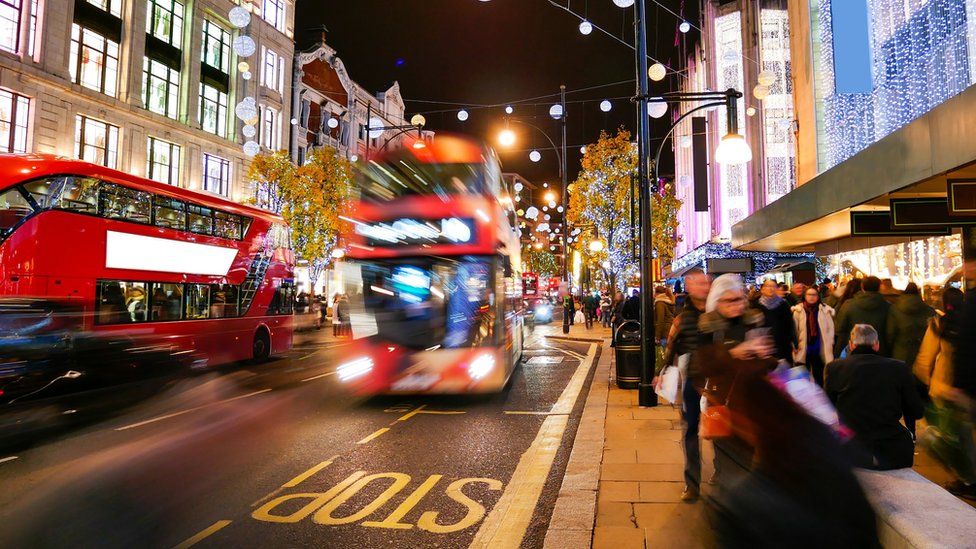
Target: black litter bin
(627, 349)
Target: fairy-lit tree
(541, 262)
(269, 173)
(664, 223)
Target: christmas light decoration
(462, 115)
(777, 115)
(239, 17)
(244, 46)
(251, 148)
(605, 105)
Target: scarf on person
(812, 324)
(771, 302)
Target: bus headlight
(355, 368)
(481, 366)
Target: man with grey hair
(872, 394)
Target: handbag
(716, 419)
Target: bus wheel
(261, 349)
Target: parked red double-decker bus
(435, 299)
(146, 260)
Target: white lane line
(187, 411)
(327, 374)
(6, 459)
(506, 524)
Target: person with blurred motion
(949, 436)
(826, 290)
(797, 292)
(872, 394)
(814, 323)
(783, 291)
(336, 321)
(590, 304)
(680, 297)
(606, 306)
(888, 291)
(779, 319)
(964, 370)
(908, 320)
(663, 314)
(683, 342)
(632, 307)
(867, 307)
(845, 293)
(729, 331)
(616, 314)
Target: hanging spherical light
(532, 212)
(418, 120)
(552, 204)
(545, 208)
(354, 158)
(585, 27)
(657, 72)
(657, 109)
(518, 198)
(559, 209)
(605, 105)
(375, 127)
(243, 66)
(520, 213)
(751, 111)
(766, 78)
(244, 46)
(623, 3)
(685, 141)
(556, 111)
(519, 186)
(760, 92)
(535, 156)
(294, 121)
(547, 217)
(246, 109)
(684, 26)
(509, 109)
(251, 148)
(333, 123)
(462, 115)
(239, 17)
(246, 75)
(545, 185)
(249, 131)
(583, 149)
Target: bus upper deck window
(170, 213)
(227, 225)
(199, 219)
(119, 202)
(79, 194)
(13, 209)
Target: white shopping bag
(668, 383)
(580, 318)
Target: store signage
(879, 223)
(407, 231)
(915, 213)
(962, 197)
(734, 265)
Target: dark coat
(964, 358)
(907, 321)
(872, 394)
(632, 308)
(864, 308)
(663, 317)
(779, 320)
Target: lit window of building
(94, 60)
(10, 25)
(216, 46)
(779, 147)
(111, 6)
(34, 23)
(273, 71)
(96, 141)
(164, 21)
(213, 109)
(161, 87)
(163, 161)
(270, 128)
(734, 178)
(14, 116)
(216, 174)
(274, 13)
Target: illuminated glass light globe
(519, 186)
(294, 121)
(244, 46)
(657, 109)
(547, 217)
(509, 109)
(751, 111)
(733, 150)
(552, 204)
(585, 27)
(552, 248)
(375, 125)
(249, 131)
(545, 208)
(583, 149)
(532, 212)
(239, 17)
(623, 3)
(418, 120)
(333, 123)
(605, 105)
(520, 213)
(559, 209)
(684, 27)
(760, 92)
(354, 158)
(247, 109)
(596, 246)
(518, 198)
(549, 197)
(243, 66)
(535, 156)
(246, 75)
(766, 78)
(556, 111)
(545, 185)
(685, 141)
(506, 138)
(657, 72)
(251, 148)
(462, 115)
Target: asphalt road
(278, 455)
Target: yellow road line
(304, 476)
(318, 376)
(505, 525)
(411, 413)
(210, 530)
(175, 414)
(374, 435)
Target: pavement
(624, 478)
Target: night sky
(451, 53)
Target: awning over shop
(681, 272)
(913, 162)
(793, 266)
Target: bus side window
(197, 301)
(223, 301)
(283, 300)
(14, 208)
(199, 219)
(79, 194)
(169, 213)
(121, 302)
(117, 202)
(167, 301)
(227, 225)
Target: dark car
(48, 362)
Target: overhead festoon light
(606, 105)
(535, 156)
(657, 72)
(462, 115)
(657, 107)
(684, 27)
(585, 27)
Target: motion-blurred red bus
(146, 260)
(530, 285)
(435, 299)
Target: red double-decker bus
(146, 260)
(435, 299)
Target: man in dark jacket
(632, 307)
(908, 319)
(872, 394)
(867, 307)
(964, 359)
(684, 340)
(779, 320)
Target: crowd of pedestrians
(881, 357)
